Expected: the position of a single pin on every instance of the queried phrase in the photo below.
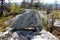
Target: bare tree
(56, 5)
(1, 7)
(31, 3)
(23, 4)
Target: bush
(55, 14)
(46, 24)
(4, 13)
(15, 9)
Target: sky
(45, 1)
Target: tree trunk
(1, 8)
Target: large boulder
(31, 19)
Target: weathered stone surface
(19, 35)
(31, 19)
(12, 20)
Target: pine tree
(15, 9)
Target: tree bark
(1, 8)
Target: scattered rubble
(45, 35)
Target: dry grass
(2, 25)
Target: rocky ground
(43, 35)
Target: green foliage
(15, 9)
(44, 22)
(4, 14)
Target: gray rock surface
(45, 35)
(27, 20)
